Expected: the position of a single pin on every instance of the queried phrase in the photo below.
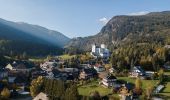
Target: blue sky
(75, 18)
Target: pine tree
(71, 92)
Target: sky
(75, 18)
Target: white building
(100, 51)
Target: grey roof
(22, 64)
(90, 71)
(110, 77)
(3, 70)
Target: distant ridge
(51, 36)
(152, 27)
(19, 38)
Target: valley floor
(93, 85)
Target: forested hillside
(16, 42)
(153, 27)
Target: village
(93, 74)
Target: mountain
(123, 29)
(17, 38)
(50, 36)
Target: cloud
(103, 20)
(139, 13)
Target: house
(38, 73)
(3, 73)
(102, 75)
(20, 66)
(41, 96)
(57, 74)
(12, 76)
(137, 71)
(99, 68)
(87, 73)
(21, 80)
(167, 46)
(111, 70)
(82, 66)
(92, 61)
(64, 74)
(100, 51)
(124, 91)
(18, 78)
(109, 80)
(70, 71)
(149, 74)
(1, 86)
(11, 79)
(166, 67)
(48, 65)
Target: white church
(100, 51)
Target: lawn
(36, 59)
(166, 90)
(66, 56)
(93, 86)
(145, 83)
(167, 73)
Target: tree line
(149, 56)
(55, 89)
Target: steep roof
(22, 64)
(3, 70)
(90, 71)
(110, 77)
(139, 68)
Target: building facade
(100, 51)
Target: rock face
(126, 29)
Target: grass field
(166, 90)
(66, 56)
(41, 59)
(37, 59)
(145, 83)
(93, 86)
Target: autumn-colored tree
(138, 83)
(138, 87)
(161, 75)
(5, 93)
(94, 96)
(36, 86)
(149, 91)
